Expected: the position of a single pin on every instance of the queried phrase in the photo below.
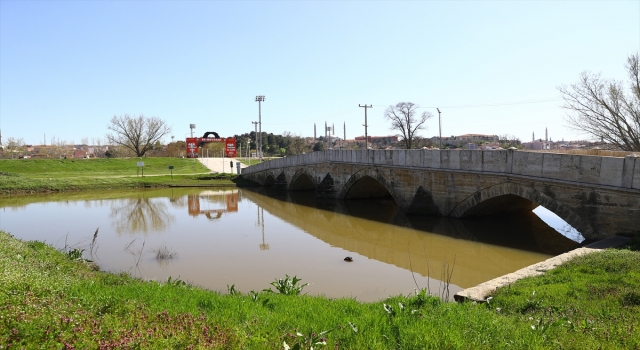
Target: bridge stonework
(599, 196)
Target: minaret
(314, 131)
(546, 135)
(344, 126)
(533, 136)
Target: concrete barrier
(495, 161)
(611, 171)
(527, 163)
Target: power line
(342, 112)
(495, 104)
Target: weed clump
(164, 253)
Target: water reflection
(247, 238)
(229, 198)
(140, 215)
(524, 231)
(483, 248)
(260, 222)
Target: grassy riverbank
(25, 176)
(47, 299)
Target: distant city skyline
(491, 67)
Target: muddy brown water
(216, 238)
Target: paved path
(221, 165)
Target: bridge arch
(269, 180)
(368, 183)
(511, 197)
(302, 181)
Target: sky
(491, 67)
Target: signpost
(141, 165)
(171, 168)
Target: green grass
(97, 167)
(249, 161)
(26, 176)
(50, 301)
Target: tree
(601, 107)
(404, 119)
(296, 144)
(15, 145)
(176, 149)
(507, 141)
(137, 134)
(319, 146)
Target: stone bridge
(599, 196)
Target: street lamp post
(260, 99)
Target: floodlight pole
(260, 99)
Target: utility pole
(260, 99)
(255, 124)
(366, 139)
(440, 129)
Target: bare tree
(601, 107)
(404, 119)
(137, 134)
(507, 141)
(177, 149)
(15, 145)
(63, 148)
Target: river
(216, 238)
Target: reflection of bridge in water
(228, 197)
(483, 249)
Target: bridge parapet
(596, 170)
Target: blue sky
(492, 67)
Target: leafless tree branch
(404, 119)
(137, 134)
(601, 108)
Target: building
(466, 140)
(537, 145)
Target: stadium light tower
(260, 99)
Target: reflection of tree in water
(140, 215)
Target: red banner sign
(194, 143)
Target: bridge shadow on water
(519, 230)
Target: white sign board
(140, 163)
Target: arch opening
(269, 181)
(511, 204)
(367, 187)
(507, 203)
(558, 224)
(303, 182)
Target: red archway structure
(194, 144)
